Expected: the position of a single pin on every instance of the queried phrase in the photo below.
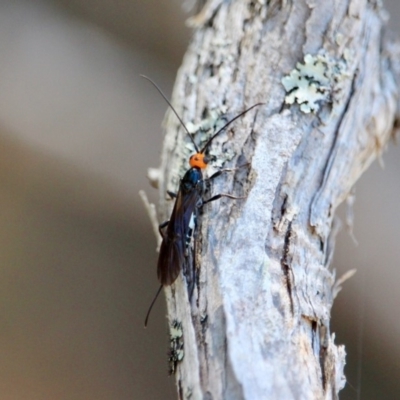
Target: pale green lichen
(204, 131)
(175, 331)
(201, 132)
(176, 351)
(315, 82)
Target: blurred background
(78, 130)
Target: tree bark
(258, 323)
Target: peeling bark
(258, 323)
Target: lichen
(204, 131)
(176, 351)
(315, 82)
(206, 127)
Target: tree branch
(258, 323)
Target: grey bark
(258, 323)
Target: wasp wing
(173, 246)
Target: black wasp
(189, 199)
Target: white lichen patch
(176, 351)
(206, 127)
(204, 130)
(201, 132)
(175, 331)
(315, 82)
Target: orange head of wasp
(198, 160)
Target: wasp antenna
(151, 306)
(226, 125)
(172, 108)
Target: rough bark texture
(257, 325)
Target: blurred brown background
(78, 130)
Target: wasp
(176, 233)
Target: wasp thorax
(198, 160)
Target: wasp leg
(218, 173)
(218, 196)
(172, 194)
(162, 226)
(214, 175)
